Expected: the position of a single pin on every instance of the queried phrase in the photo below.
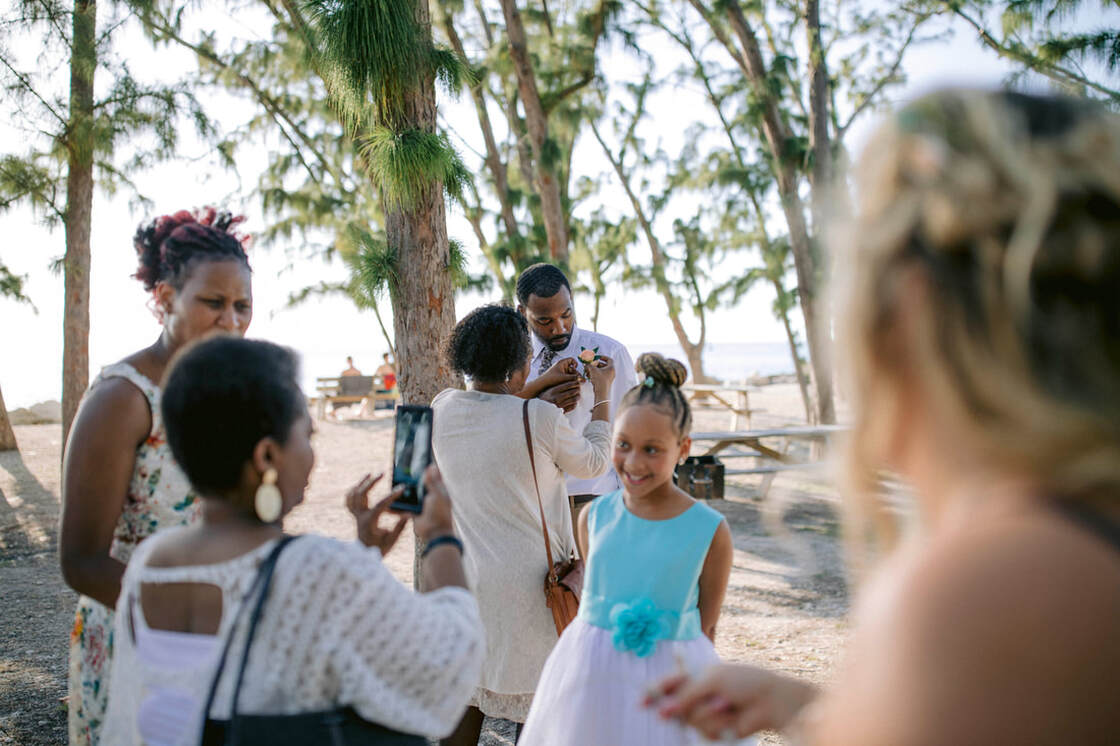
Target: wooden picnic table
(752, 439)
(735, 397)
(349, 390)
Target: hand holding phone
(366, 518)
(436, 519)
(412, 453)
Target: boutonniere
(587, 357)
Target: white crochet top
(337, 630)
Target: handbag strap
(536, 484)
(259, 588)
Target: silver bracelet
(604, 401)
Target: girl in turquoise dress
(657, 569)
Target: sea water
(733, 361)
(725, 361)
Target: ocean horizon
(731, 361)
(726, 361)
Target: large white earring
(268, 502)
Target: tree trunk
(7, 435)
(695, 355)
(820, 143)
(423, 296)
(536, 120)
(802, 379)
(79, 208)
(776, 135)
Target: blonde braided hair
(1007, 207)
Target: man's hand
(565, 396)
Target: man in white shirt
(544, 297)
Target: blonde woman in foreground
(983, 334)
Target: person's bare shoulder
(116, 404)
(1000, 632)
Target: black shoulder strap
(259, 588)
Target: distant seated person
(387, 373)
(352, 386)
(350, 369)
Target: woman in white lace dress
(338, 631)
(119, 482)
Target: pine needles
(404, 164)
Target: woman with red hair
(120, 483)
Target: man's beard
(557, 344)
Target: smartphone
(412, 452)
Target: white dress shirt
(624, 380)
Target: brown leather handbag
(564, 581)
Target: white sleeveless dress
(159, 496)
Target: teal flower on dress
(638, 626)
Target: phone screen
(412, 452)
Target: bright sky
(327, 330)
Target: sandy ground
(785, 606)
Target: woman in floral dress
(120, 483)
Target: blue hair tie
(649, 382)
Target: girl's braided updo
(659, 383)
(169, 245)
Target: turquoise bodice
(639, 569)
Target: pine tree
(1031, 35)
(11, 287)
(78, 141)
(385, 66)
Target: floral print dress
(159, 496)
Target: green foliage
(405, 163)
(376, 52)
(1102, 45)
(373, 270)
(135, 122)
(1038, 37)
(461, 278)
(376, 48)
(564, 44)
(35, 179)
(11, 286)
(599, 245)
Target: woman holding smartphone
(338, 631)
(480, 446)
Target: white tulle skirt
(590, 694)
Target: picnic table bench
(735, 397)
(751, 440)
(349, 390)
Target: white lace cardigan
(337, 630)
